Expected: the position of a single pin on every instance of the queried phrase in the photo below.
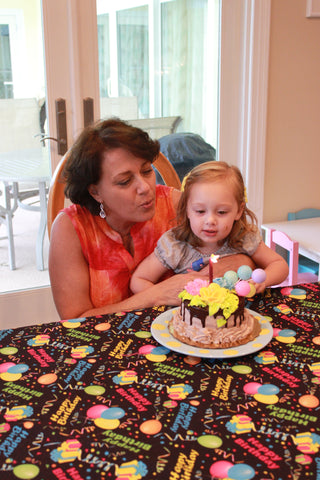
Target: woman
(117, 216)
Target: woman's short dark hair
(83, 166)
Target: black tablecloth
(99, 398)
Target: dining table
(305, 231)
(25, 175)
(116, 396)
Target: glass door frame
(71, 58)
(244, 71)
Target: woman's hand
(231, 262)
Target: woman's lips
(148, 204)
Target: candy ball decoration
(242, 288)
(231, 277)
(244, 272)
(258, 275)
(240, 281)
(252, 290)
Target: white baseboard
(27, 307)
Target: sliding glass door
(23, 123)
(159, 58)
(141, 59)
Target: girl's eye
(200, 212)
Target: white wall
(292, 167)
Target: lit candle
(213, 259)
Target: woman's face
(127, 189)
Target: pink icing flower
(194, 286)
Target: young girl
(212, 219)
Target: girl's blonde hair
(213, 172)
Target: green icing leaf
(213, 308)
(197, 301)
(221, 322)
(184, 295)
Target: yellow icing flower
(215, 297)
(213, 294)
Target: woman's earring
(102, 212)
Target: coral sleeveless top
(110, 264)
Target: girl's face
(127, 189)
(212, 210)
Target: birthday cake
(213, 315)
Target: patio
(26, 275)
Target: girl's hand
(260, 287)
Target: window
(160, 59)
(6, 86)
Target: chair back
(292, 247)
(304, 213)
(56, 198)
(280, 238)
(167, 171)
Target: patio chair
(157, 127)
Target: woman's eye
(147, 172)
(123, 183)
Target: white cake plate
(160, 332)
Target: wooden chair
(56, 198)
(281, 239)
(305, 264)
